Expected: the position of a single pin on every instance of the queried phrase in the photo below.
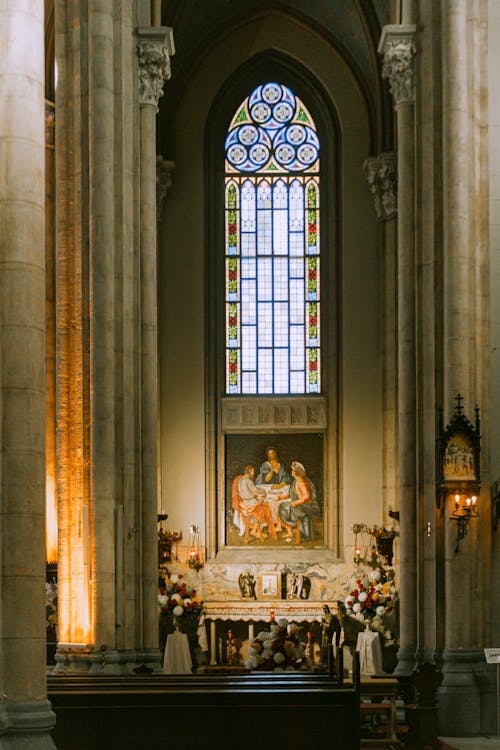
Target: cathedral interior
(254, 379)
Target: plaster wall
(182, 286)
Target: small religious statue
(330, 635)
(246, 583)
(295, 582)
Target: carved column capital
(155, 46)
(381, 174)
(397, 45)
(164, 172)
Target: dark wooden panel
(227, 713)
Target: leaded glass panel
(272, 246)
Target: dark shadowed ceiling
(352, 27)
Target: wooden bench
(378, 699)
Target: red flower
(313, 320)
(231, 228)
(313, 274)
(232, 320)
(232, 275)
(233, 367)
(312, 228)
(314, 366)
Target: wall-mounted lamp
(463, 511)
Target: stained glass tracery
(272, 204)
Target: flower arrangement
(372, 595)
(180, 607)
(177, 600)
(277, 649)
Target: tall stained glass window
(272, 269)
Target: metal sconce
(462, 514)
(458, 467)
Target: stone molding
(397, 45)
(164, 178)
(155, 46)
(382, 176)
(274, 413)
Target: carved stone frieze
(154, 48)
(381, 175)
(296, 413)
(397, 44)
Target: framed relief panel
(274, 490)
(269, 585)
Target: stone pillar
(25, 715)
(107, 349)
(381, 174)
(398, 47)
(155, 45)
(466, 341)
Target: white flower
(380, 610)
(278, 658)
(177, 597)
(178, 611)
(263, 635)
(283, 622)
(349, 602)
(374, 575)
(251, 663)
(267, 653)
(174, 578)
(187, 601)
(293, 628)
(162, 600)
(365, 582)
(356, 607)
(269, 643)
(363, 596)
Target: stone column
(381, 174)
(466, 341)
(155, 45)
(398, 47)
(25, 715)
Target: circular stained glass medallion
(285, 153)
(248, 134)
(296, 134)
(261, 112)
(282, 112)
(259, 154)
(307, 154)
(237, 154)
(271, 93)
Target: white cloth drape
(177, 657)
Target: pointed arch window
(272, 246)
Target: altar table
(252, 610)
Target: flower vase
(367, 627)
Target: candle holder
(194, 560)
(463, 512)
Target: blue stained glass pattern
(273, 134)
(272, 246)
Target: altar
(253, 611)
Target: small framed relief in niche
(269, 585)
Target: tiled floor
(473, 743)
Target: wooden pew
(240, 712)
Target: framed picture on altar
(269, 585)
